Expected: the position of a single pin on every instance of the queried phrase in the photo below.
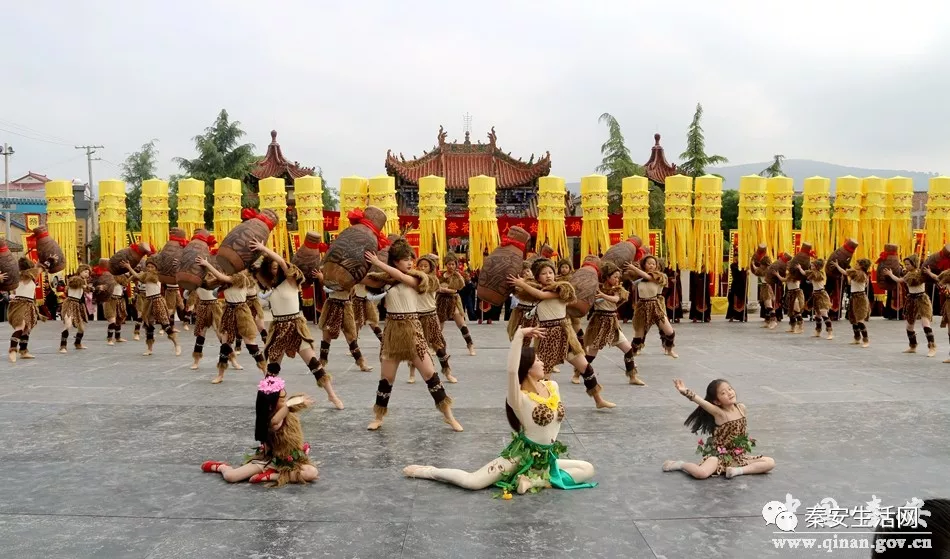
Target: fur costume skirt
(114, 309)
(23, 311)
(155, 311)
(236, 321)
(173, 299)
(859, 309)
(207, 314)
(140, 305)
(519, 319)
(447, 304)
(766, 293)
(945, 312)
(558, 345)
(286, 335)
(365, 312)
(338, 315)
(403, 339)
(253, 303)
(649, 312)
(917, 306)
(432, 329)
(820, 301)
(603, 330)
(794, 300)
(75, 310)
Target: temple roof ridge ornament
(658, 168)
(275, 164)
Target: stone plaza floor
(102, 450)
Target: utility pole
(7, 152)
(90, 231)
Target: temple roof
(457, 162)
(658, 168)
(274, 164)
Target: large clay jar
(168, 260)
(102, 277)
(235, 253)
(48, 251)
(780, 266)
(801, 258)
(544, 252)
(345, 263)
(625, 252)
(8, 266)
(190, 273)
(504, 261)
(761, 256)
(939, 261)
(842, 256)
(888, 261)
(585, 280)
(133, 255)
(308, 257)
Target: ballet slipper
(211, 466)
(263, 476)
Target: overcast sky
(850, 82)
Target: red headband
(508, 241)
(4, 248)
(183, 242)
(357, 217)
(248, 213)
(592, 265)
(270, 224)
(138, 250)
(316, 245)
(884, 256)
(207, 239)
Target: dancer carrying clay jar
(535, 412)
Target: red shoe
(209, 466)
(263, 476)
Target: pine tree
(775, 169)
(694, 158)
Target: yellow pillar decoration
(871, 243)
(752, 224)
(938, 214)
(155, 212)
(551, 205)
(635, 202)
(273, 195)
(432, 215)
(227, 207)
(353, 194)
(706, 251)
(778, 214)
(61, 220)
(191, 204)
(816, 215)
(111, 217)
(309, 196)
(382, 194)
(679, 194)
(595, 232)
(898, 223)
(482, 220)
(847, 218)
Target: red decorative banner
(920, 239)
(796, 242)
(458, 226)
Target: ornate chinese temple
(658, 168)
(276, 165)
(516, 180)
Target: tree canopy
(775, 169)
(139, 166)
(695, 159)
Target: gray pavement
(102, 450)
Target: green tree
(729, 215)
(694, 158)
(220, 155)
(138, 167)
(657, 209)
(775, 169)
(330, 199)
(797, 202)
(173, 199)
(616, 163)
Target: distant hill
(801, 169)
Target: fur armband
(423, 279)
(565, 291)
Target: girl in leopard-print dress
(727, 449)
(603, 329)
(429, 317)
(859, 306)
(338, 316)
(524, 314)
(154, 311)
(207, 313)
(73, 311)
(917, 306)
(560, 343)
(403, 339)
(650, 305)
(448, 301)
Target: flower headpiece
(270, 385)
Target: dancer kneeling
(728, 446)
(283, 456)
(535, 413)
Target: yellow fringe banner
(938, 214)
(483, 222)
(595, 233)
(111, 217)
(227, 207)
(679, 193)
(635, 196)
(382, 194)
(431, 215)
(898, 222)
(847, 217)
(816, 215)
(778, 214)
(61, 220)
(871, 243)
(551, 231)
(308, 195)
(706, 252)
(752, 230)
(273, 196)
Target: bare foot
(555, 370)
(603, 404)
(416, 470)
(110, 342)
(336, 401)
(12, 356)
(80, 346)
(364, 367)
(672, 465)
(817, 334)
(911, 350)
(218, 379)
(865, 343)
(374, 424)
(931, 352)
(135, 337)
(236, 366)
(453, 423)
(449, 378)
(947, 360)
(635, 380)
(524, 484)
(471, 350)
(177, 349)
(147, 352)
(831, 336)
(194, 366)
(62, 350)
(576, 379)
(26, 355)
(121, 340)
(672, 354)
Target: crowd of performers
(419, 295)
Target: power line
(28, 137)
(32, 130)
